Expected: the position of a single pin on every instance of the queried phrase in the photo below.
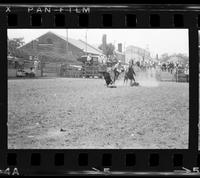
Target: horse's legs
(133, 78)
(116, 75)
(131, 82)
(114, 78)
(125, 81)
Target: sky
(158, 41)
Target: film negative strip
(67, 107)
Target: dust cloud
(144, 78)
(147, 78)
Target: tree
(13, 44)
(164, 57)
(183, 58)
(109, 49)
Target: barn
(53, 50)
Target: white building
(136, 54)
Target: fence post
(177, 75)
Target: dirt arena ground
(92, 116)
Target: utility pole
(131, 53)
(86, 41)
(38, 56)
(67, 44)
(124, 52)
(41, 59)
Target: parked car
(21, 73)
(25, 73)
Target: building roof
(136, 47)
(81, 45)
(77, 43)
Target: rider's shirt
(118, 67)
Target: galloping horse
(129, 74)
(116, 71)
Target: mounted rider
(118, 68)
(131, 73)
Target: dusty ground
(93, 116)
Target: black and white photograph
(98, 88)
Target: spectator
(164, 67)
(186, 71)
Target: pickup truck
(25, 73)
